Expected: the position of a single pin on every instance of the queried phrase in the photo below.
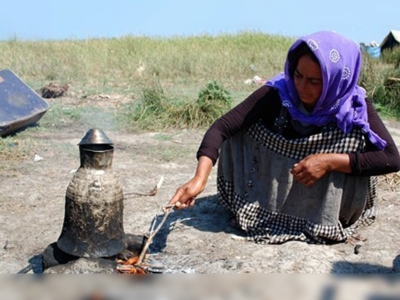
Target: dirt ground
(197, 240)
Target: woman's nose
(301, 84)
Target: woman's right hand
(186, 194)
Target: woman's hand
(186, 194)
(314, 166)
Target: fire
(130, 266)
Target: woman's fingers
(186, 194)
(188, 203)
(304, 178)
(192, 201)
(182, 198)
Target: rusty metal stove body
(93, 221)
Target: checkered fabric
(264, 226)
(332, 140)
(369, 213)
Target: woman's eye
(297, 75)
(315, 81)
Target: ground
(201, 239)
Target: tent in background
(391, 40)
(372, 49)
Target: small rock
(248, 81)
(37, 158)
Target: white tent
(391, 40)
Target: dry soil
(197, 240)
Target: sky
(363, 21)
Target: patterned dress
(255, 184)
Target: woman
(298, 158)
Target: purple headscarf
(341, 100)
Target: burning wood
(131, 266)
(136, 265)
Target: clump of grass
(155, 102)
(149, 113)
(157, 110)
(211, 103)
(213, 100)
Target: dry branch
(167, 210)
(152, 192)
(135, 265)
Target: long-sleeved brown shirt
(265, 104)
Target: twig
(26, 269)
(167, 210)
(152, 192)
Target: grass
(13, 149)
(122, 65)
(178, 82)
(157, 110)
(182, 65)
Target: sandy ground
(197, 240)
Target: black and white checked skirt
(255, 184)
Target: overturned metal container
(20, 106)
(93, 220)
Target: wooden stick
(167, 210)
(152, 192)
(26, 269)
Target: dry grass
(13, 150)
(391, 180)
(125, 65)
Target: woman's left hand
(313, 167)
(310, 169)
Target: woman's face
(308, 81)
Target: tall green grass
(128, 63)
(170, 71)
(158, 111)
(381, 79)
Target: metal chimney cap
(95, 136)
